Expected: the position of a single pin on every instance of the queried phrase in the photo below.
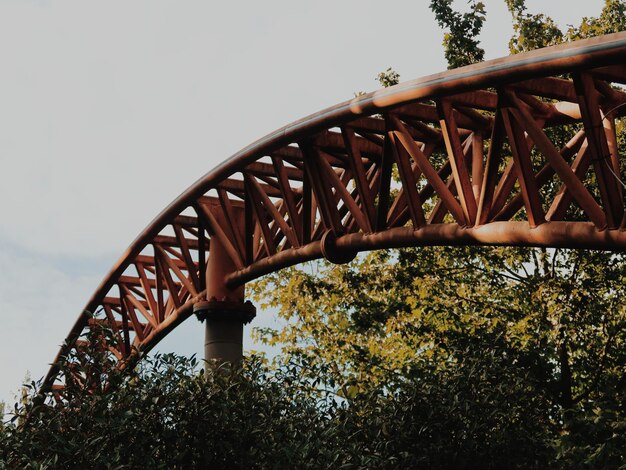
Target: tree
(388, 78)
(377, 319)
(553, 319)
(167, 414)
(460, 44)
(420, 358)
(531, 31)
(612, 19)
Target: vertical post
(224, 312)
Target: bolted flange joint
(333, 253)
(224, 310)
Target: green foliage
(531, 31)
(594, 438)
(432, 357)
(612, 19)
(388, 78)
(384, 315)
(460, 43)
(517, 347)
(426, 369)
(483, 413)
(167, 415)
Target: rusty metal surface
(515, 151)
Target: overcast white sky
(110, 109)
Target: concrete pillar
(225, 312)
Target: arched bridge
(516, 151)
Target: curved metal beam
(477, 160)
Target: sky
(110, 109)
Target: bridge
(519, 151)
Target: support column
(225, 312)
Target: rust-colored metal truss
(515, 151)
